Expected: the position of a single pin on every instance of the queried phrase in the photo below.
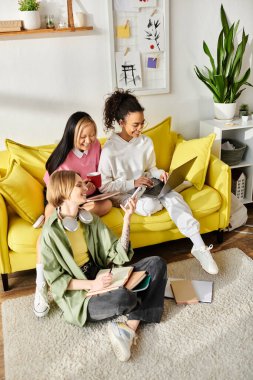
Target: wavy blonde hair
(60, 186)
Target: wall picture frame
(139, 32)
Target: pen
(110, 271)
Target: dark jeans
(146, 305)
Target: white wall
(43, 80)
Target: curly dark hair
(118, 105)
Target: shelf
(46, 31)
(229, 126)
(243, 163)
(242, 132)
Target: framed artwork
(139, 45)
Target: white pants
(177, 208)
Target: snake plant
(223, 78)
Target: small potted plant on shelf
(243, 110)
(224, 78)
(29, 12)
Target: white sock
(40, 279)
(197, 240)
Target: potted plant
(244, 110)
(223, 78)
(30, 13)
(244, 113)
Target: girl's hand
(102, 282)
(130, 207)
(143, 181)
(164, 177)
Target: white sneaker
(41, 304)
(205, 258)
(121, 337)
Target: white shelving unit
(239, 131)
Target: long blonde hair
(81, 125)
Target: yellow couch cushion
(22, 192)
(32, 158)
(164, 143)
(185, 150)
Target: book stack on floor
(10, 26)
(189, 291)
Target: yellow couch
(21, 196)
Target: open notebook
(122, 276)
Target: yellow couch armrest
(218, 176)
(4, 159)
(5, 266)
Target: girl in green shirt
(69, 282)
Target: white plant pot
(31, 19)
(224, 111)
(245, 118)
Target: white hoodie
(121, 162)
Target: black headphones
(70, 223)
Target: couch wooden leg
(5, 281)
(220, 236)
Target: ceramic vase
(224, 111)
(31, 19)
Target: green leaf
(207, 51)
(229, 46)
(224, 20)
(221, 85)
(220, 52)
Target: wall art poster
(151, 32)
(145, 3)
(125, 6)
(128, 69)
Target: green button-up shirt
(60, 267)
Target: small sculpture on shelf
(238, 184)
(50, 21)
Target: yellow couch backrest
(33, 159)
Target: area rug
(202, 341)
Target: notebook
(143, 285)
(203, 289)
(119, 278)
(135, 279)
(101, 197)
(184, 292)
(176, 177)
(124, 276)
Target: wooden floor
(24, 283)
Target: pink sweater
(83, 165)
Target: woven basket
(235, 156)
